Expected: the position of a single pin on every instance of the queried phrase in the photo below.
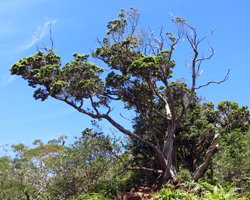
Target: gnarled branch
(215, 82)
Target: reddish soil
(140, 193)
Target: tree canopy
(172, 122)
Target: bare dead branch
(174, 41)
(199, 172)
(156, 43)
(79, 109)
(126, 118)
(51, 37)
(113, 98)
(129, 133)
(93, 105)
(208, 57)
(145, 169)
(109, 109)
(133, 19)
(111, 120)
(200, 60)
(145, 44)
(81, 103)
(45, 47)
(215, 82)
(205, 37)
(192, 37)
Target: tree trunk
(199, 172)
(170, 171)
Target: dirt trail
(139, 193)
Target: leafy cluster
(199, 191)
(54, 171)
(78, 79)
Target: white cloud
(38, 35)
(41, 32)
(7, 80)
(19, 20)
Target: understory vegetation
(180, 146)
(97, 166)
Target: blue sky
(77, 24)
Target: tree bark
(168, 152)
(199, 172)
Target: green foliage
(193, 137)
(173, 129)
(184, 175)
(53, 171)
(220, 193)
(231, 164)
(91, 196)
(26, 175)
(109, 188)
(79, 78)
(233, 116)
(138, 77)
(167, 194)
(84, 164)
(199, 191)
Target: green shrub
(167, 194)
(199, 191)
(91, 196)
(184, 175)
(217, 192)
(109, 188)
(220, 193)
